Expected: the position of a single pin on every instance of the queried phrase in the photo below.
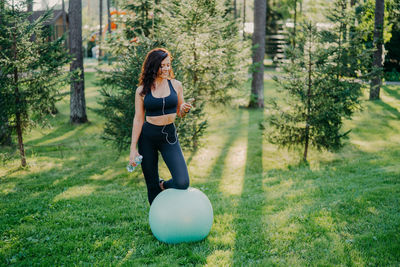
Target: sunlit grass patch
(223, 233)
(76, 191)
(233, 174)
(77, 205)
(220, 258)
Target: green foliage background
(37, 62)
(320, 87)
(209, 58)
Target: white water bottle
(138, 160)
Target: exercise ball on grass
(181, 216)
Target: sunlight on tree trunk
(376, 81)
(101, 27)
(257, 83)
(77, 101)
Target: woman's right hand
(134, 153)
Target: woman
(159, 99)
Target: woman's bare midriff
(161, 120)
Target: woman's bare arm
(138, 120)
(182, 107)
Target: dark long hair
(150, 68)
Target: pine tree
(141, 22)
(353, 56)
(205, 40)
(31, 71)
(392, 58)
(146, 16)
(129, 47)
(365, 16)
(5, 129)
(319, 91)
(211, 71)
(100, 28)
(118, 95)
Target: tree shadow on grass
(78, 208)
(378, 122)
(388, 108)
(82, 209)
(62, 209)
(324, 216)
(190, 254)
(342, 213)
(62, 130)
(109, 223)
(250, 242)
(392, 91)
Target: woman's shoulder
(176, 84)
(139, 90)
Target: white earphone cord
(162, 130)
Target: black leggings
(155, 138)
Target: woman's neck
(158, 81)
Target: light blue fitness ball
(181, 216)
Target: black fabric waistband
(148, 124)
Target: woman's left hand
(185, 107)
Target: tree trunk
(65, 23)
(307, 130)
(307, 134)
(152, 19)
(101, 27)
(5, 130)
(30, 18)
(257, 84)
(20, 140)
(378, 54)
(244, 16)
(108, 17)
(294, 24)
(17, 112)
(234, 9)
(352, 28)
(29, 9)
(301, 8)
(77, 101)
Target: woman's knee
(182, 183)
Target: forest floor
(77, 205)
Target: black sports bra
(157, 106)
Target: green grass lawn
(77, 205)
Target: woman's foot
(161, 183)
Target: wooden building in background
(55, 22)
